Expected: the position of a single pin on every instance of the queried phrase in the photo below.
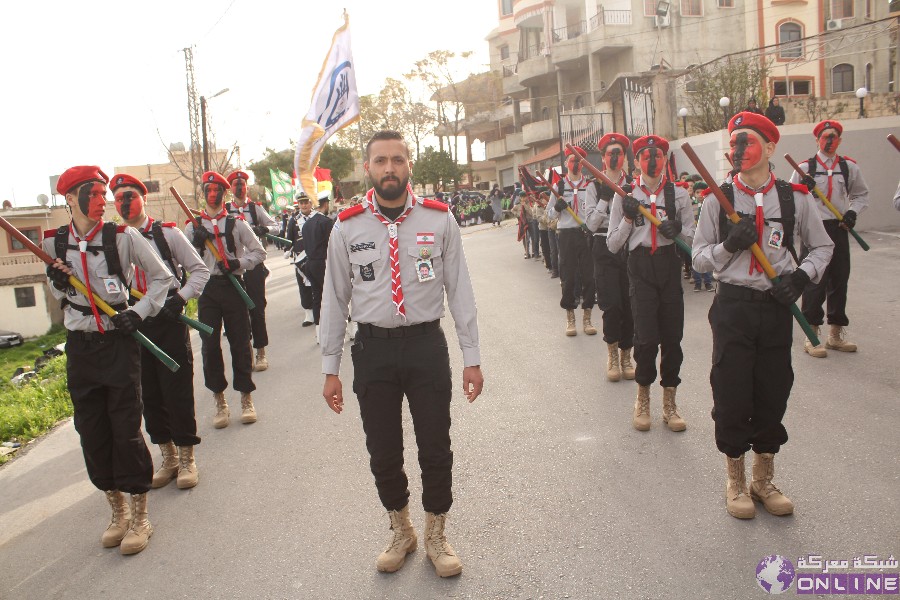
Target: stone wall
(842, 107)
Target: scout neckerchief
(581, 185)
(140, 276)
(829, 171)
(662, 182)
(760, 220)
(82, 250)
(396, 286)
(215, 224)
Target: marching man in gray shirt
(395, 256)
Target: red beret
(828, 124)
(125, 179)
(756, 122)
(579, 150)
(650, 141)
(237, 175)
(75, 176)
(613, 138)
(213, 177)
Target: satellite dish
(43, 200)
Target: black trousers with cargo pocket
(416, 366)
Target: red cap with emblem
(758, 123)
(579, 150)
(613, 138)
(122, 179)
(75, 176)
(651, 141)
(213, 177)
(827, 124)
(237, 175)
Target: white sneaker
(308, 318)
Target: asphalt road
(556, 496)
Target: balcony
(540, 132)
(495, 150)
(514, 143)
(533, 70)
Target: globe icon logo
(775, 574)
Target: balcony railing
(533, 51)
(24, 259)
(509, 70)
(616, 17)
(570, 32)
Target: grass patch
(24, 355)
(191, 308)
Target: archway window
(789, 35)
(842, 78)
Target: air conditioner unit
(834, 24)
(663, 21)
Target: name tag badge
(638, 220)
(424, 270)
(775, 238)
(367, 272)
(111, 285)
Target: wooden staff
(212, 248)
(894, 141)
(569, 210)
(98, 301)
(818, 194)
(755, 249)
(646, 213)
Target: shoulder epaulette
(799, 187)
(121, 228)
(683, 184)
(429, 203)
(169, 224)
(850, 159)
(351, 212)
(49, 234)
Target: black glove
(809, 182)
(850, 218)
(229, 265)
(670, 228)
(627, 188)
(742, 235)
(259, 230)
(200, 236)
(59, 279)
(173, 307)
(791, 287)
(631, 207)
(560, 206)
(606, 193)
(126, 321)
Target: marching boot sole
(307, 323)
(838, 348)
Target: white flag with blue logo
(335, 104)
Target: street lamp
(203, 126)
(861, 94)
(724, 102)
(682, 112)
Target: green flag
(282, 189)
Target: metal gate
(638, 102)
(584, 129)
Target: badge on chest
(776, 238)
(367, 272)
(424, 269)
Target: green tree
(282, 160)
(436, 167)
(737, 78)
(338, 159)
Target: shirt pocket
(365, 265)
(434, 255)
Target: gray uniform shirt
(358, 268)
(709, 253)
(133, 251)
(578, 202)
(186, 259)
(897, 198)
(597, 210)
(265, 219)
(248, 251)
(844, 195)
(640, 235)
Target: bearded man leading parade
(575, 260)
(750, 317)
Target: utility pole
(194, 120)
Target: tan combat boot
(120, 522)
(248, 413)
(262, 363)
(836, 340)
(570, 323)
(814, 351)
(641, 419)
(762, 489)
(670, 411)
(220, 421)
(403, 542)
(140, 531)
(737, 496)
(589, 328)
(625, 363)
(438, 549)
(613, 371)
(187, 468)
(169, 467)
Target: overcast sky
(92, 82)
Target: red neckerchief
(393, 246)
(828, 171)
(140, 276)
(215, 224)
(82, 250)
(760, 220)
(575, 191)
(662, 182)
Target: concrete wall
(30, 321)
(863, 139)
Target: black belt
(86, 310)
(373, 331)
(667, 249)
(223, 277)
(94, 336)
(739, 292)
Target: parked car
(8, 339)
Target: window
(726, 3)
(579, 102)
(691, 8)
(649, 8)
(506, 7)
(789, 34)
(798, 87)
(545, 113)
(841, 9)
(504, 52)
(24, 297)
(32, 233)
(152, 186)
(842, 78)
